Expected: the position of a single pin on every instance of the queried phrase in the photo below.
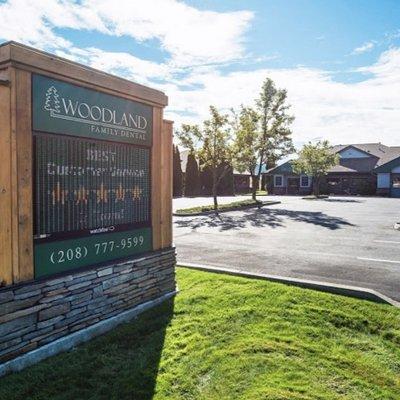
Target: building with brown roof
(388, 178)
(363, 169)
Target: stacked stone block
(36, 313)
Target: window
(278, 180)
(396, 182)
(304, 181)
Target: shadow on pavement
(273, 218)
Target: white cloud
(387, 69)
(367, 111)
(197, 44)
(190, 36)
(364, 48)
(122, 64)
(23, 21)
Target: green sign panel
(91, 176)
(60, 107)
(66, 255)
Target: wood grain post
(22, 177)
(166, 184)
(5, 181)
(156, 197)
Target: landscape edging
(344, 290)
(247, 206)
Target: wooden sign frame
(17, 64)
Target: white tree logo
(52, 103)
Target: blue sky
(317, 33)
(339, 60)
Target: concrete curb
(264, 203)
(68, 342)
(344, 290)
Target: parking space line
(378, 260)
(320, 253)
(387, 241)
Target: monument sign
(85, 202)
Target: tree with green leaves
(315, 160)
(211, 145)
(245, 148)
(192, 176)
(274, 139)
(177, 173)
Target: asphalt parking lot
(345, 240)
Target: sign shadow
(122, 364)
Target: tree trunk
(258, 175)
(254, 181)
(214, 190)
(316, 186)
(214, 193)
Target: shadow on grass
(273, 218)
(122, 364)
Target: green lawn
(231, 338)
(231, 206)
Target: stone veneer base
(37, 313)
(68, 342)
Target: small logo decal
(52, 102)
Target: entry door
(395, 191)
(346, 185)
(293, 185)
